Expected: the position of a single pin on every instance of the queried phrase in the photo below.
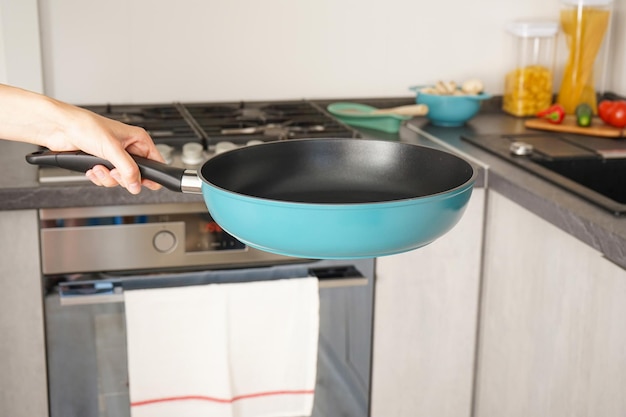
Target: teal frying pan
(319, 198)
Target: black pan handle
(168, 176)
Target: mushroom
(451, 88)
(473, 87)
(441, 88)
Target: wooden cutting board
(597, 128)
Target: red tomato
(613, 112)
(617, 115)
(604, 110)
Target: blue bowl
(450, 111)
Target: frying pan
(335, 198)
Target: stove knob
(166, 152)
(223, 147)
(192, 153)
(164, 241)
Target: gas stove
(242, 122)
(187, 134)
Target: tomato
(613, 112)
(617, 116)
(604, 109)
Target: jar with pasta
(585, 25)
(528, 85)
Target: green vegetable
(584, 115)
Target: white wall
(208, 50)
(20, 52)
(617, 73)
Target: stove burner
(264, 121)
(142, 114)
(165, 123)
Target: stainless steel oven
(91, 255)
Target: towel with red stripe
(223, 350)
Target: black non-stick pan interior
(333, 171)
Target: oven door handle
(111, 290)
(91, 292)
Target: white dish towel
(223, 350)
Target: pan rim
(469, 183)
(346, 206)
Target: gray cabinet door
(23, 387)
(553, 322)
(425, 324)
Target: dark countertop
(19, 188)
(587, 222)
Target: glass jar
(528, 86)
(585, 24)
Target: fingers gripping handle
(168, 176)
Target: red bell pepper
(554, 114)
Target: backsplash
(145, 51)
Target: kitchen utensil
(449, 110)
(356, 109)
(319, 198)
(568, 125)
(386, 120)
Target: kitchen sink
(592, 168)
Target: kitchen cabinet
(552, 324)
(23, 389)
(426, 309)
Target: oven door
(86, 335)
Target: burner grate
(213, 125)
(248, 121)
(238, 122)
(164, 122)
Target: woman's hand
(110, 140)
(30, 117)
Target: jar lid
(534, 29)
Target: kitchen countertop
(19, 187)
(589, 223)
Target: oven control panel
(94, 239)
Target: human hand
(35, 118)
(110, 140)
